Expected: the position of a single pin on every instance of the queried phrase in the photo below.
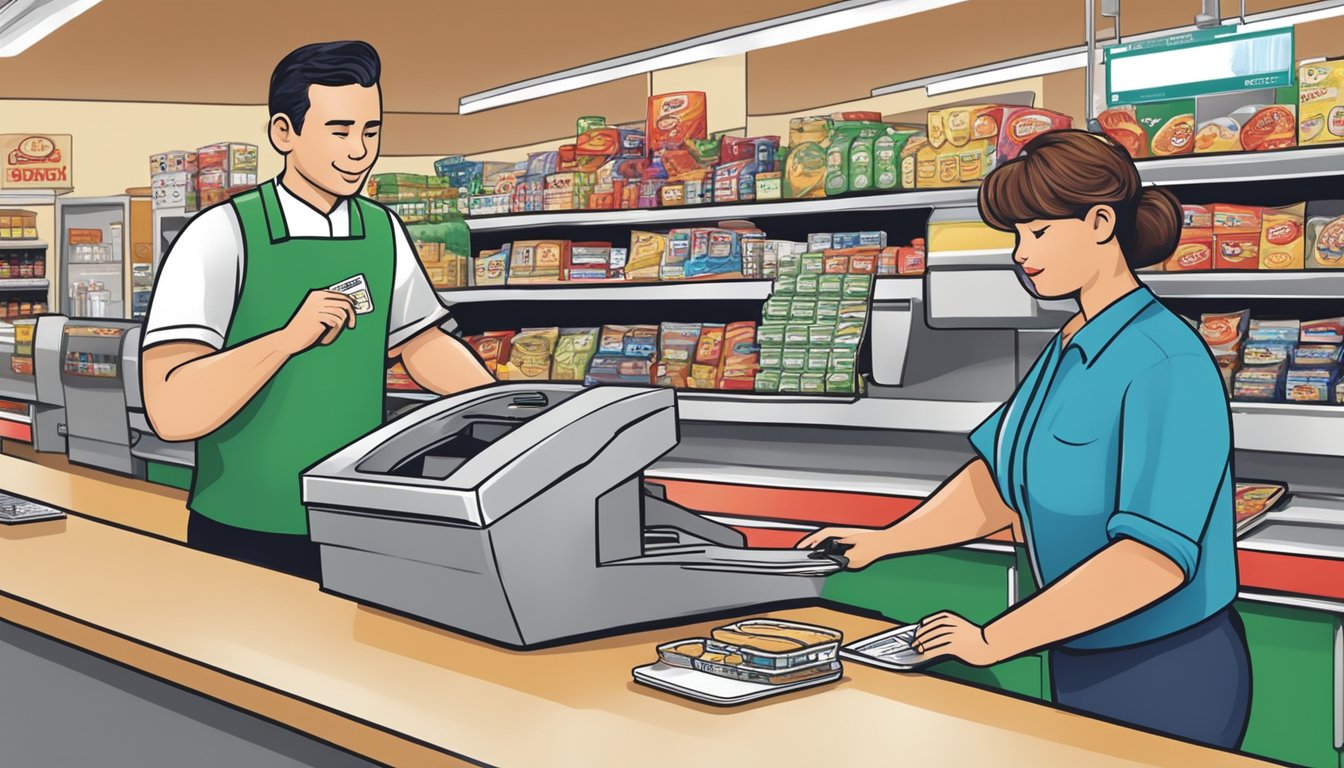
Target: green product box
(858, 286)
(812, 262)
(1170, 126)
(796, 335)
(849, 333)
(861, 152)
(818, 359)
(776, 310)
(843, 360)
(887, 150)
(840, 383)
(854, 310)
(821, 335)
(767, 381)
(812, 383)
(794, 359)
(803, 310)
(770, 334)
(831, 285)
(785, 286)
(772, 357)
(790, 382)
(790, 264)
(828, 311)
(808, 283)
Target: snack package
(1267, 352)
(1194, 252)
(1219, 134)
(673, 266)
(1325, 234)
(645, 256)
(1328, 331)
(1320, 105)
(767, 381)
(1170, 126)
(1122, 125)
(1310, 385)
(492, 347)
(1237, 231)
(1287, 331)
(705, 369)
(618, 370)
(1270, 127)
(538, 261)
(1318, 356)
(714, 252)
(804, 168)
(1019, 125)
(574, 349)
(887, 149)
(589, 261)
(530, 354)
(674, 119)
(1224, 332)
(611, 340)
(741, 356)
(1250, 500)
(1282, 239)
(678, 344)
(641, 341)
(1259, 382)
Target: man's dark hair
(346, 62)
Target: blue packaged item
(543, 163)
(1311, 385)
(632, 143)
(1274, 330)
(763, 163)
(1268, 352)
(721, 254)
(1317, 356)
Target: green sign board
(1197, 63)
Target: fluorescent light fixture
(1293, 15)
(24, 22)
(828, 19)
(1016, 69)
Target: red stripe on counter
(790, 504)
(1298, 574)
(771, 538)
(13, 430)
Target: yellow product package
(1320, 108)
(574, 349)
(1283, 238)
(530, 355)
(646, 255)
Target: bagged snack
(530, 355)
(858, 286)
(1267, 352)
(771, 334)
(708, 357)
(1318, 356)
(491, 347)
(1329, 331)
(673, 266)
(1325, 236)
(574, 349)
(611, 341)
(1282, 241)
(821, 335)
(771, 357)
(1310, 385)
(645, 258)
(1274, 330)
(767, 381)
(1271, 127)
(794, 359)
(1263, 382)
(812, 383)
(679, 341)
(618, 370)
(790, 382)
(1236, 232)
(1170, 126)
(674, 119)
(1194, 252)
(1224, 332)
(803, 310)
(641, 342)
(741, 356)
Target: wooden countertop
(405, 693)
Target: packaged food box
(645, 255)
(1318, 356)
(741, 356)
(1122, 124)
(705, 370)
(887, 149)
(574, 350)
(176, 161)
(1310, 385)
(1325, 234)
(1274, 330)
(918, 166)
(1320, 103)
(767, 381)
(771, 358)
(796, 335)
(677, 344)
(1224, 332)
(1170, 126)
(1253, 499)
(1328, 331)
(641, 341)
(805, 165)
(1194, 252)
(1283, 238)
(618, 370)
(1237, 233)
(530, 354)
(492, 266)
(1258, 383)
(232, 157)
(588, 261)
(773, 334)
(538, 261)
(673, 119)
(1267, 352)
(769, 186)
(1270, 127)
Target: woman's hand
(868, 544)
(947, 634)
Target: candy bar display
(1277, 359)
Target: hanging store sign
(36, 161)
(1199, 63)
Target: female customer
(1111, 463)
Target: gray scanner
(517, 513)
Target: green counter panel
(170, 475)
(971, 583)
(1293, 678)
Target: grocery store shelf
(929, 198)
(21, 245)
(24, 284)
(1247, 166)
(21, 197)
(1247, 285)
(686, 290)
(1289, 428)
(840, 413)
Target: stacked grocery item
(428, 208)
(1277, 360)
(198, 179)
(13, 309)
(733, 249)
(965, 143)
(16, 224)
(760, 651)
(1241, 237)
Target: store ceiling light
(834, 17)
(24, 22)
(989, 74)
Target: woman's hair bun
(1157, 229)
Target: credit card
(358, 289)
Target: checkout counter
(97, 383)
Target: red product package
(1020, 125)
(741, 357)
(491, 346)
(1236, 236)
(673, 118)
(708, 357)
(1193, 253)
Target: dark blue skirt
(1194, 685)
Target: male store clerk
(248, 352)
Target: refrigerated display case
(95, 276)
(95, 381)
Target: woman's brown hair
(1063, 174)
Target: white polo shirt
(201, 276)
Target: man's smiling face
(340, 138)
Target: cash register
(517, 513)
(30, 380)
(95, 379)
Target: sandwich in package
(759, 651)
(531, 353)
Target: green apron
(247, 471)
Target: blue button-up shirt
(1124, 431)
